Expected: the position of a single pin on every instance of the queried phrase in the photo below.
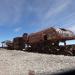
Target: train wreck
(45, 41)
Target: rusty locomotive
(45, 41)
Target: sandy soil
(14, 62)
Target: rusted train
(45, 41)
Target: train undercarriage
(45, 41)
(52, 48)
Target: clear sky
(19, 16)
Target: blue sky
(19, 16)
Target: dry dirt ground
(14, 62)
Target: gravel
(13, 62)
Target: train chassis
(52, 48)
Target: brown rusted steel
(18, 43)
(51, 34)
(46, 41)
(50, 37)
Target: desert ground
(13, 62)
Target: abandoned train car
(46, 41)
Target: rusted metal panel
(46, 41)
(18, 43)
(49, 33)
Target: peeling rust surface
(45, 41)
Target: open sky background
(19, 16)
